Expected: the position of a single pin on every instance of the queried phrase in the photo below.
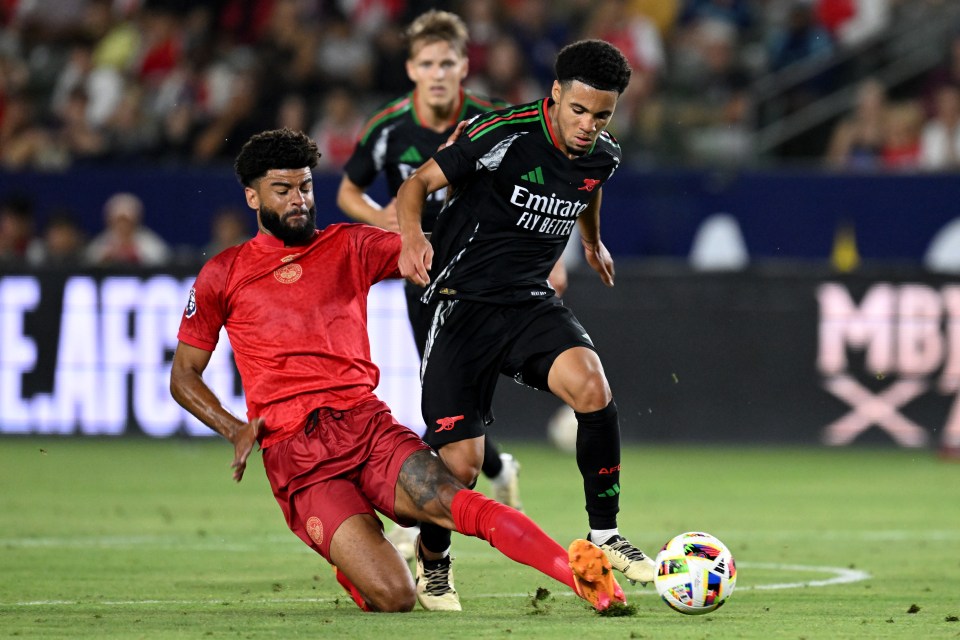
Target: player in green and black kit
(520, 179)
(397, 140)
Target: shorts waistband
(319, 414)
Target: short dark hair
(595, 63)
(276, 149)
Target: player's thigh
(459, 374)
(550, 329)
(318, 510)
(392, 445)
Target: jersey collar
(547, 125)
(267, 240)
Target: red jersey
(296, 318)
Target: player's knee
(593, 394)
(466, 471)
(392, 594)
(463, 467)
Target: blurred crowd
(125, 241)
(181, 82)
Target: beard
(295, 233)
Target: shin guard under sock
(598, 458)
(511, 533)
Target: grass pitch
(152, 539)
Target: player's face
(580, 114)
(284, 203)
(437, 69)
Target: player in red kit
(293, 301)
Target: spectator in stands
(230, 227)
(62, 243)
(737, 13)
(345, 56)
(338, 128)
(540, 34)
(16, 228)
(293, 113)
(801, 39)
(507, 78)
(947, 72)
(663, 13)
(639, 40)
(940, 138)
(78, 139)
(857, 141)
(901, 148)
(238, 119)
(131, 135)
(126, 241)
(485, 24)
(24, 143)
(852, 22)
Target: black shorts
(471, 343)
(419, 314)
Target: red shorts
(345, 463)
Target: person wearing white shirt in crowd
(940, 138)
(126, 241)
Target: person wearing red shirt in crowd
(293, 301)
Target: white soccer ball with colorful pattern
(695, 573)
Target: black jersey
(396, 142)
(514, 201)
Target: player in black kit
(397, 139)
(520, 179)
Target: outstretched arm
(192, 393)
(354, 202)
(416, 254)
(597, 255)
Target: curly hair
(438, 26)
(276, 149)
(595, 63)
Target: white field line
(840, 576)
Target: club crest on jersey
(288, 274)
(315, 529)
(191, 304)
(588, 184)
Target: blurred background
(784, 224)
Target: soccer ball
(562, 430)
(695, 573)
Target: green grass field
(152, 539)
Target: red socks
(352, 590)
(511, 533)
